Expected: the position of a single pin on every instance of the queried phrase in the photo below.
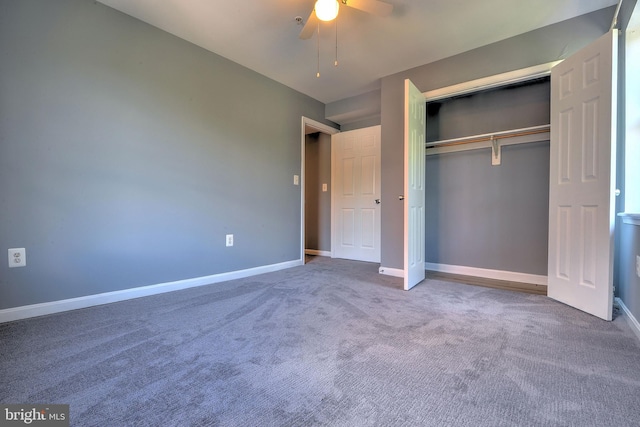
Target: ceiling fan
(327, 10)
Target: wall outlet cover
(17, 257)
(638, 265)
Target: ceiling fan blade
(374, 7)
(309, 26)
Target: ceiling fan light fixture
(327, 10)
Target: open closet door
(582, 178)
(414, 184)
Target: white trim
(388, 271)
(489, 82)
(510, 276)
(633, 322)
(317, 252)
(17, 313)
(320, 127)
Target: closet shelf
(513, 133)
(494, 140)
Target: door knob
(377, 201)
(401, 197)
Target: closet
(487, 182)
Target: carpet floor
(329, 343)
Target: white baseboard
(631, 319)
(317, 252)
(24, 312)
(511, 276)
(395, 272)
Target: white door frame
(320, 127)
(490, 82)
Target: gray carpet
(329, 343)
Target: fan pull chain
(318, 46)
(335, 63)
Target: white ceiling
(263, 35)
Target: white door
(582, 178)
(356, 194)
(414, 185)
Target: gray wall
(127, 154)
(510, 107)
(355, 112)
(533, 48)
(628, 289)
(317, 208)
(483, 216)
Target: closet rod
(490, 136)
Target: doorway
(344, 223)
(315, 188)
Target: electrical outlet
(324, 187)
(17, 257)
(638, 265)
(296, 180)
(229, 239)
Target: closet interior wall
(484, 216)
(317, 217)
